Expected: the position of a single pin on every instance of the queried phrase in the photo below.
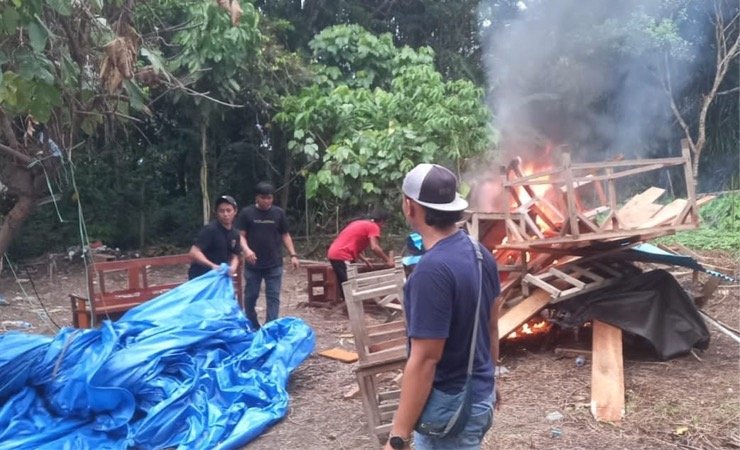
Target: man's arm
(249, 255)
(197, 256)
(418, 376)
(378, 250)
(288, 242)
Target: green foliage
(375, 114)
(27, 81)
(720, 227)
(213, 51)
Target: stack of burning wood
(563, 231)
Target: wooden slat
(625, 173)
(666, 214)
(586, 273)
(570, 196)
(689, 178)
(516, 316)
(640, 207)
(389, 395)
(552, 290)
(627, 162)
(388, 344)
(607, 373)
(564, 276)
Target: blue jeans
(481, 419)
(273, 279)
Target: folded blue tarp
(183, 370)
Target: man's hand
(250, 256)
(294, 261)
(390, 262)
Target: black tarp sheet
(652, 305)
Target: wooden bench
(111, 300)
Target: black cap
(264, 188)
(226, 199)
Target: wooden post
(570, 196)
(607, 373)
(612, 200)
(690, 182)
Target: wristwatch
(399, 443)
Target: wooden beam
(627, 163)
(607, 373)
(570, 203)
(690, 181)
(516, 316)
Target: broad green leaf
(63, 7)
(37, 36)
(154, 59)
(10, 20)
(137, 97)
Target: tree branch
(16, 154)
(728, 91)
(7, 129)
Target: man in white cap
(447, 393)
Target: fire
(534, 193)
(530, 328)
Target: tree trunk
(204, 173)
(285, 194)
(14, 221)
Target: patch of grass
(719, 229)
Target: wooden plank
(570, 196)
(624, 173)
(627, 163)
(607, 373)
(690, 181)
(640, 207)
(647, 196)
(340, 354)
(516, 316)
(666, 214)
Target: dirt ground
(691, 402)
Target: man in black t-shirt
(218, 242)
(264, 230)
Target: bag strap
(456, 416)
(476, 323)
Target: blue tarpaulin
(183, 370)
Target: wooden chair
(381, 348)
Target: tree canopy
(135, 113)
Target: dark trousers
(340, 268)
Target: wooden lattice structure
(562, 236)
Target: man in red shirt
(354, 239)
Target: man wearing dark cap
(218, 242)
(264, 229)
(453, 335)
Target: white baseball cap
(435, 187)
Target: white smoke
(584, 74)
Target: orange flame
(530, 328)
